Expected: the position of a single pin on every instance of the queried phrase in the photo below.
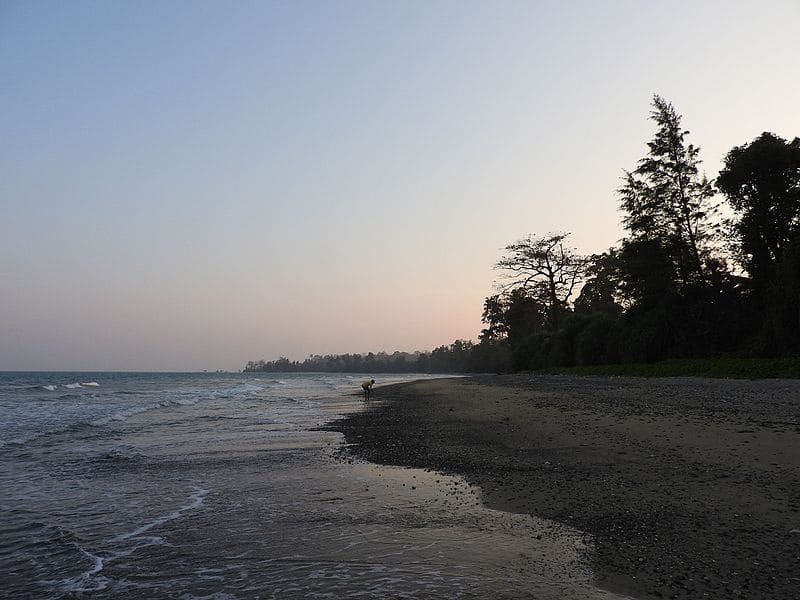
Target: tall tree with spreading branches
(547, 267)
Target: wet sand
(687, 488)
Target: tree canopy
(546, 268)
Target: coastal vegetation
(707, 268)
(455, 358)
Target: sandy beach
(686, 488)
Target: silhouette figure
(367, 387)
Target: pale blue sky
(191, 185)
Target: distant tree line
(454, 358)
(706, 268)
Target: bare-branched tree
(545, 266)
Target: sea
(227, 485)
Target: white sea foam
(90, 384)
(73, 386)
(50, 388)
(122, 415)
(89, 581)
(244, 389)
(195, 501)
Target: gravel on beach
(688, 488)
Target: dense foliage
(683, 284)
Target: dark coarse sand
(690, 488)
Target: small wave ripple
(125, 544)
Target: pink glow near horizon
(319, 179)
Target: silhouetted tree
(546, 268)
(646, 273)
(512, 315)
(667, 268)
(667, 201)
(601, 291)
(761, 180)
(490, 356)
(524, 314)
(494, 317)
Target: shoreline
(688, 487)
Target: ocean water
(223, 486)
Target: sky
(192, 185)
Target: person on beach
(367, 387)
